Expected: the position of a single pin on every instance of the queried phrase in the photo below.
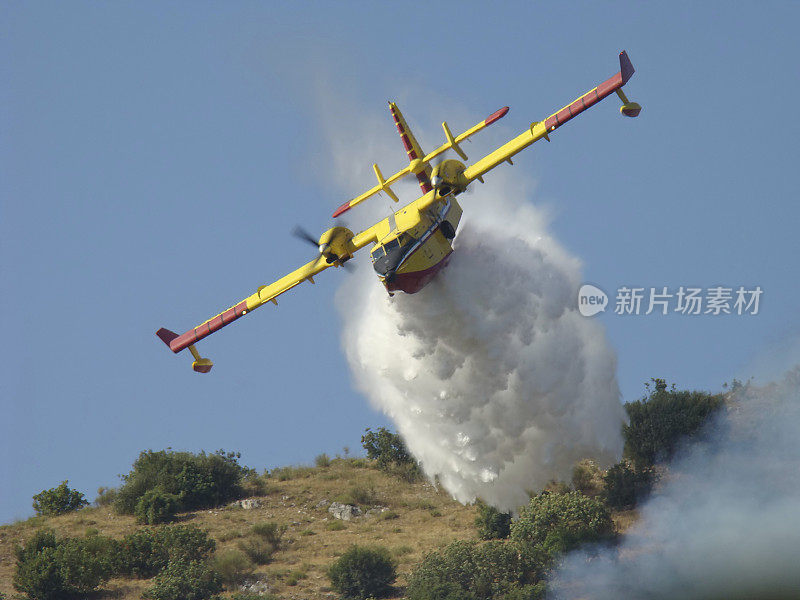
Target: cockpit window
(391, 245)
(378, 253)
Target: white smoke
(725, 523)
(492, 377)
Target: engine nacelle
(448, 176)
(335, 244)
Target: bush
(363, 573)
(475, 571)
(155, 507)
(148, 551)
(558, 523)
(51, 569)
(624, 486)
(233, 567)
(587, 478)
(387, 448)
(193, 580)
(258, 550)
(58, 500)
(322, 461)
(659, 421)
(358, 495)
(491, 523)
(270, 532)
(198, 480)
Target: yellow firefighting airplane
(412, 245)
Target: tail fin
(166, 335)
(412, 148)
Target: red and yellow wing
(542, 129)
(264, 294)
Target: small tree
(156, 506)
(193, 580)
(491, 523)
(659, 421)
(385, 447)
(560, 522)
(362, 573)
(58, 500)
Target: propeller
(304, 235)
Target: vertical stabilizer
(412, 149)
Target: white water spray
(491, 375)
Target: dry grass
(422, 519)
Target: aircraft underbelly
(421, 265)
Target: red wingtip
(499, 114)
(625, 67)
(343, 208)
(166, 336)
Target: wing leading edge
(542, 129)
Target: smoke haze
(725, 522)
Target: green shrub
(587, 478)
(659, 421)
(335, 525)
(491, 523)
(180, 580)
(363, 572)
(58, 500)
(233, 567)
(322, 460)
(390, 452)
(475, 571)
(558, 523)
(252, 596)
(146, 552)
(624, 486)
(198, 480)
(155, 507)
(51, 569)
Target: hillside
(419, 518)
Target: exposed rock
(345, 512)
(255, 586)
(249, 503)
(322, 503)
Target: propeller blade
(302, 234)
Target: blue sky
(154, 156)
